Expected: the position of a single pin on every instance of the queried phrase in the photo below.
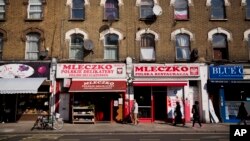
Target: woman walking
(196, 113)
(178, 115)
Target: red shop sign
(97, 85)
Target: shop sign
(24, 70)
(226, 72)
(78, 86)
(164, 70)
(91, 71)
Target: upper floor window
(2, 9)
(78, 9)
(111, 10)
(35, 9)
(181, 10)
(218, 9)
(220, 46)
(76, 47)
(182, 47)
(146, 10)
(147, 47)
(32, 46)
(1, 46)
(248, 9)
(111, 43)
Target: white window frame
(185, 48)
(2, 10)
(117, 12)
(30, 12)
(111, 47)
(83, 9)
(147, 53)
(177, 11)
(147, 7)
(76, 47)
(28, 50)
(219, 30)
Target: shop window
(32, 46)
(32, 105)
(181, 10)
(111, 10)
(143, 98)
(220, 48)
(111, 47)
(182, 47)
(248, 9)
(147, 47)
(218, 11)
(76, 47)
(146, 10)
(78, 10)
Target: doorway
(160, 106)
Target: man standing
(135, 112)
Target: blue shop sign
(226, 72)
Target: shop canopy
(20, 85)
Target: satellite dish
(88, 45)
(157, 10)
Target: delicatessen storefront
(95, 91)
(157, 88)
(24, 90)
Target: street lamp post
(53, 79)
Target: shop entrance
(103, 104)
(160, 106)
(159, 103)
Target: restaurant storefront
(157, 88)
(228, 86)
(24, 91)
(101, 86)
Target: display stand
(84, 114)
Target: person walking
(196, 113)
(135, 112)
(178, 115)
(242, 114)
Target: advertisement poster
(174, 94)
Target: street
(117, 137)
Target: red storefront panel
(98, 85)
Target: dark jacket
(178, 114)
(242, 113)
(196, 111)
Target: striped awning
(20, 85)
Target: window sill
(75, 20)
(218, 19)
(33, 20)
(2, 20)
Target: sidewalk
(25, 128)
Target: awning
(20, 85)
(96, 85)
(160, 83)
